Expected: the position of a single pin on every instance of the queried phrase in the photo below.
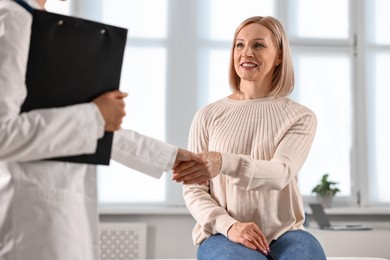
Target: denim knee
(297, 244)
(219, 247)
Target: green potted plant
(326, 190)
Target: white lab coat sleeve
(44, 133)
(143, 153)
(49, 133)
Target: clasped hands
(249, 235)
(190, 168)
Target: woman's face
(255, 54)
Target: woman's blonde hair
(283, 78)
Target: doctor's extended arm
(148, 155)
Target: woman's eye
(259, 45)
(239, 45)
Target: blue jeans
(292, 245)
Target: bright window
(144, 19)
(324, 85)
(145, 107)
(382, 126)
(144, 79)
(381, 34)
(177, 59)
(320, 19)
(222, 24)
(376, 65)
(61, 7)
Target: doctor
(48, 209)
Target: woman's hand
(249, 235)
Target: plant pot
(326, 200)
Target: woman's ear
(279, 59)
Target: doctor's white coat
(48, 209)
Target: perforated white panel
(122, 241)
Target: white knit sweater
(264, 142)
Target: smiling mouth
(248, 65)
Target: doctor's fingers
(194, 178)
(189, 168)
(113, 124)
(110, 101)
(185, 155)
(118, 94)
(110, 95)
(113, 113)
(184, 165)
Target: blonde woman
(255, 140)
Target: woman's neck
(250, 90)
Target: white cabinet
(367, 243)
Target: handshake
(190, 168)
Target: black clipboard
(73, 60)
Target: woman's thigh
(297, 244)
(219, 247)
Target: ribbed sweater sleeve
(279, 170)
(264, 143)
